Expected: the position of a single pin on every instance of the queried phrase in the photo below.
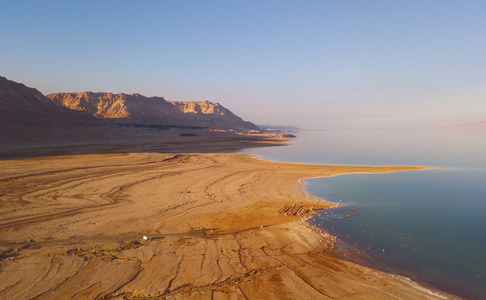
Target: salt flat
(72, 227)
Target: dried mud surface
(71, 227)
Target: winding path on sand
(71, 228)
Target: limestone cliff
(136, 108)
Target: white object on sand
(146, 238)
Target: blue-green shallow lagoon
(429, 225)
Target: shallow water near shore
(429, 225)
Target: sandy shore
(71, 227)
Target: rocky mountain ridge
(136, 108)
(27, 116)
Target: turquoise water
(429, 225)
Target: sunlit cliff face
(152, 110)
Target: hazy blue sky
(313, 64)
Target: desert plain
(185, 218)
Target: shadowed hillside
(27, 115)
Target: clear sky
(312, 64)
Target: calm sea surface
(428, 225)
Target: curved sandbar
(72, 227)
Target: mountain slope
(27, 114)
(136, 108)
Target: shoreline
(373, 259)
(72, 227)
(347, 251)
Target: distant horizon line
(452, 126)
